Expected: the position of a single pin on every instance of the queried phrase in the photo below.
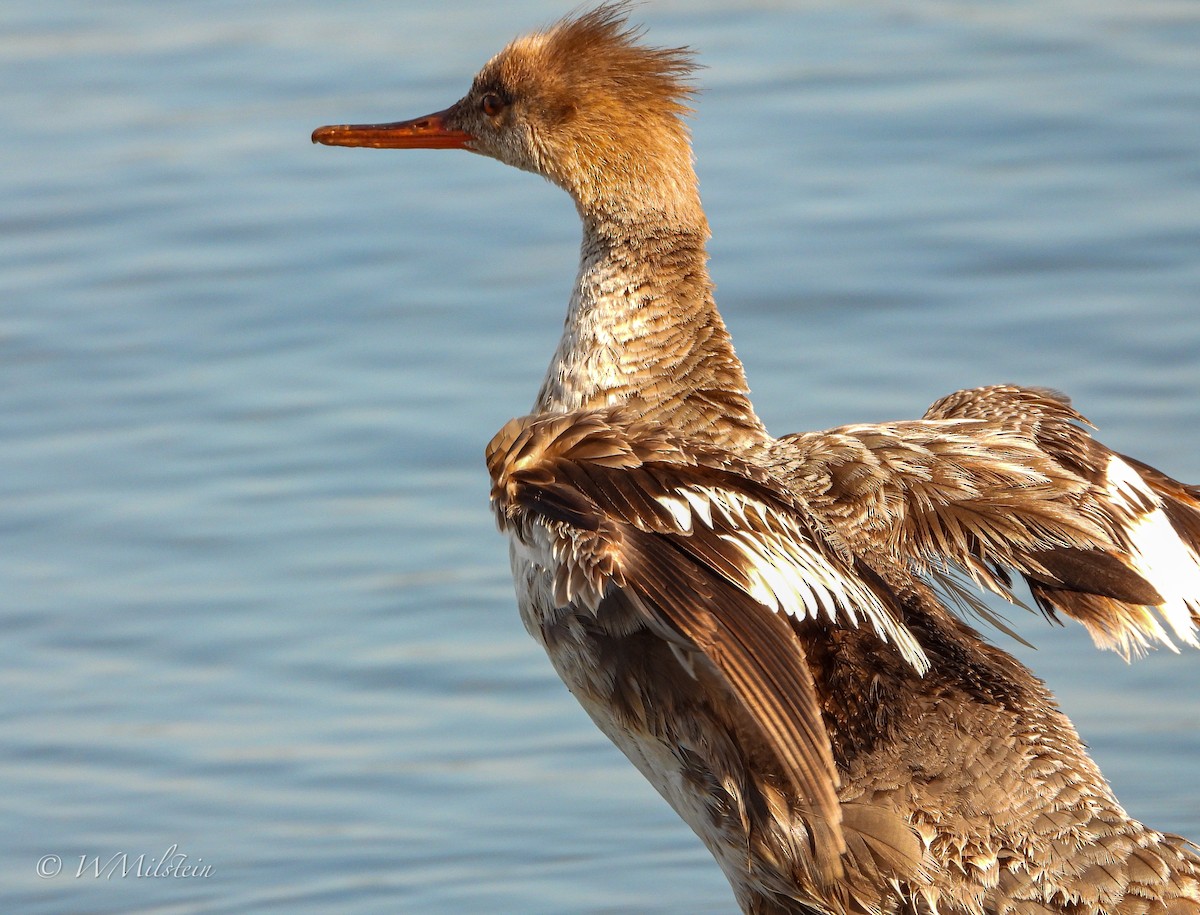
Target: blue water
(252, 604)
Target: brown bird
(763, 624)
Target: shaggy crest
(599, 47)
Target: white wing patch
(1157, 553)
(680, 510)
(784, 572)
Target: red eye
(491, 104)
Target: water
(253, 603)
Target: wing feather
(715, 558)
(1008, 478)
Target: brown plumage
(763, 625)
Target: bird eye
(491, 104)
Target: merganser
(763, 625)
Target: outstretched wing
(1153, 522)
(713, 559)
(1006, 478)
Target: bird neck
(642, 327)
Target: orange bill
(428, 132)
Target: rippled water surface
(252, 604)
